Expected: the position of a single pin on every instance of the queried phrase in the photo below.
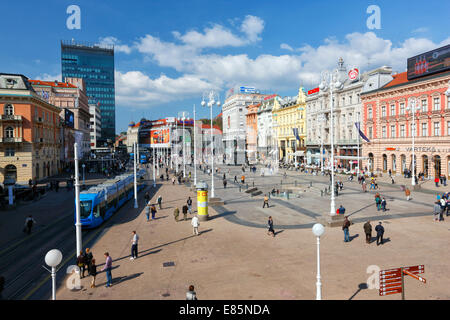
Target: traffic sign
(415, 276)
(416, 269)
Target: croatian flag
(358, 126)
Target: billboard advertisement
(68, 118)
(430, 62)
(160, 138)
(144, 139)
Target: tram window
(85, 209)
(96, 211)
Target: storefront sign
(315, 90)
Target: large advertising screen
(160, 137)
(68, 118)
(430, 62)
(144, 139)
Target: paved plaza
(233, 257)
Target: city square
(243, 155)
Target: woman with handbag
(81, 264)
(93, 272)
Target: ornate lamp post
(318, 231)
(213, 99)
(331, 80)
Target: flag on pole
(358, 126)
(295, 130)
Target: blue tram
(98, 203)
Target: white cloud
(252, 27)
(199, 70)
(285, 46)
(214, 37)
(112, 41)
(134, 88)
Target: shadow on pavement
(361, 286)
(353, 237)
(224, 214)
(276, 233)
(116, 281)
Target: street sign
(385, 293)
(392, 280)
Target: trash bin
(202, 201)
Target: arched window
(9, 132)
(9, 109)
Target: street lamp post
(135, 179)
(321, 120)
(53, 259)
(77, 203)
(332, 83)
(413, 108)
(318, 231)
(213, 99)
(195, 153)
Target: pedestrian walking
(147, 211)
(93, 272)
(173, 180)
(159, 201)
(107, 268)
(195, 224)
(368, 231)
(408, 194)
(266, 201)
(364, 186)
(153, 211)
(243, 179)
(176, 213)
(270, 229)
(383, 204)
(224, 183)
(189, 205)
(29, 223)
(380, 232)
(436, 181)
(235, 179)
(191, 295)
(443, 204)
(81, 264)
(185, 211)
(87, 259)
(134, 246)
(147, 197)
(345, 226)
(378, 201)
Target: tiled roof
(398, 79)
(52, 84)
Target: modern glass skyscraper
(95, 64)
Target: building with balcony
(347, 110)
(388, 124)
(30, 142)
(290, 116)
(70, 96)
(234, 125)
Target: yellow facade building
(288, 115)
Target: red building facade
(388, 124)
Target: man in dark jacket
(345, 227)
(185, 211)
(368, 231)
(380, 232)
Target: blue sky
(169, 52)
